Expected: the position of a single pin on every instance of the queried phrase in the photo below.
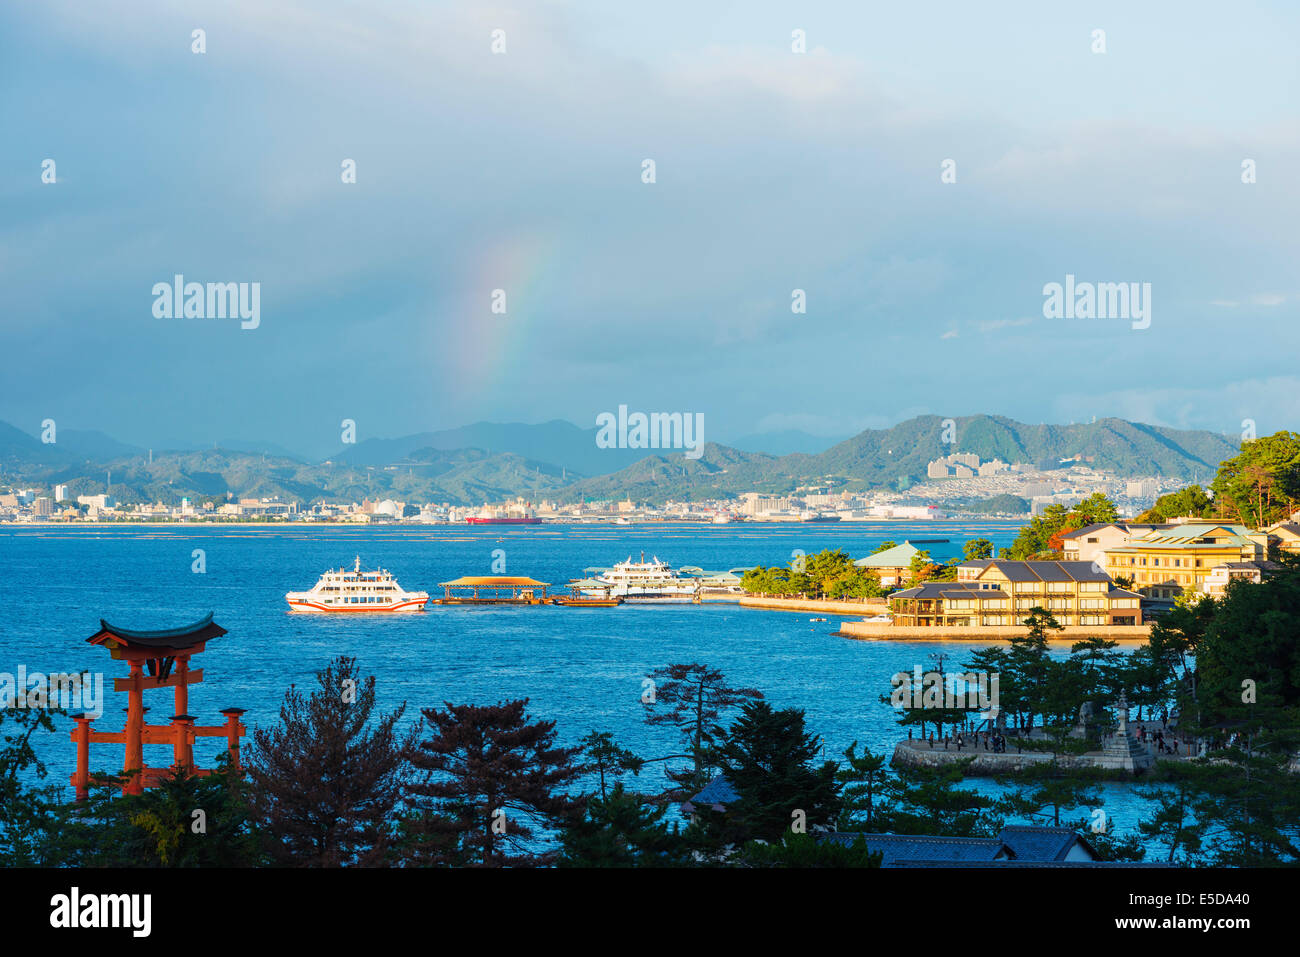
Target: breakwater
(870, 606)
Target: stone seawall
(871, 606)
(990, 763)
(867, 631)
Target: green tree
(862, 785)
(1261, 484)
(185, 821)
(1192, 500)
(694, 698)
(607, 760)
(806, 850)
(326, 782)
(933, 801)
(976, 549)
(493, 779)
(769, 758)
(1030, 665)
(620, 830)
(1171, 823)
(29, 809)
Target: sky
(522, 171)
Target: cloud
(1273, 402)
(991, 325)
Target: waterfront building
(1089, 544)
(894, 565)
(1167, 561)
(1287, 535)
(993, 592)
(1216, 582)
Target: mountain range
(557, 459)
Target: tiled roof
(928, 590)
(900, 556)
(1015, 846)
(1050, 571)
(185, 636)
(898, 847)
(717, 794)
(1015, 863)
(1041, 843)
(1188, 536)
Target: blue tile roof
(898, 847)
(717, 794)
(1040, 843)
(1015, 845)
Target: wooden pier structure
(493, 590)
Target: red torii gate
(157, 659)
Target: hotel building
(993, 592)
(1165, 562)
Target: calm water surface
(580, 668)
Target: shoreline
(863, 631)
(703, 523)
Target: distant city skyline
(775, 172)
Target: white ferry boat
(645, 582)
(341, 591)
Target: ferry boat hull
(477, 520)
(315, 607)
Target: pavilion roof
(493, 581)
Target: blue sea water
(582, 668)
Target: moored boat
(643, 582)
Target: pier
(493, 590)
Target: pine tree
(621, 830)
(186, 820)
(492, 780)
(932, 801)
(768, 757)
(325, 782)
(693, 698)
(862, 783)
(606, 759)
